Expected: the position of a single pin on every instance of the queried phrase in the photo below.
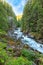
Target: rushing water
(26, 40)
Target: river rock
(37, 61)
(30, 36)
(17, 53)
(26, 46)
(33, 63)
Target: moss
(19, 61)
(10, 49)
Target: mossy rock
(10, 49)
(26, 46)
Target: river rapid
(25, 39)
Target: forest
(32, 20)
(19, 37)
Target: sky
(18, 6)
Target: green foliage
(3, 45)
(18, 24)
(27, 56)
(2, 32)
(3, 56)
(30, 55)
(6, 12)
(10, 49)
(32, 19)
(3, 53)
(19, 61)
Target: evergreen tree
(32, 20)
(6, 12)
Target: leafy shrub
(3, 56)
(19, 61)
(30, 55)
(2, 31)
(10, 49)
(3, 45)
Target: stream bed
(27, 40)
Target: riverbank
(13, 50)
(14, 47)
(18, 34)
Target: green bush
(10, 49)
(2, 31)
(19, 61)
(30, 55)
(3, 45)
(3, 56)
